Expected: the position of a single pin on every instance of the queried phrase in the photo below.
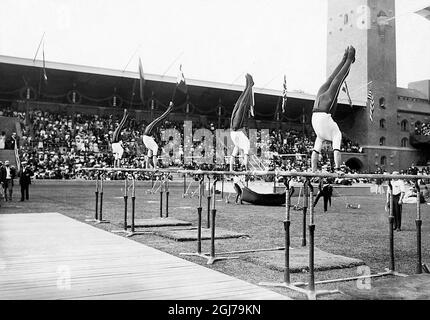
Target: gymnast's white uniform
(240, 140)
(150, 144)
(117, 150)
(244, 104)
(326, 129)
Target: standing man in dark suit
(398, 192)
(1, 181)
(7, 174)
(25, 180)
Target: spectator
(7, 174)
(12, 141)
(57, 146)
(25, 175)
(398, 192)
(2, 140)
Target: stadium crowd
(422, 129)
(58, 146)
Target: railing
(279, 173)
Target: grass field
(357, 233)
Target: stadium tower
(370, 26)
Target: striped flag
(346, 90)
(142, 81)
(425, 13)
(371, 104)
(45, 77)
(284, 94)
(18, 161)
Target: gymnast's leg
(338, 80)
(336, 141)
(246, 147)
(245, 161)
(319, 195)
(315, 153)
(155, 160)
(233, 156)
(326, 84)
(148, 156)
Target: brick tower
(369, 26)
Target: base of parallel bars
(210, 260)
(102, 221)
(381, 274)
(396, 273)
(310, 294)
(96, 221)
(130, 234)
(419, 268)
(136, 233)
(250, 251)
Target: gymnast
(179, 97)
(238, 123)
(117, 146)
(149, 141)
(325, 107)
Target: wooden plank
(36, 248)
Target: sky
(213, 40)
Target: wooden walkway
(51, 256)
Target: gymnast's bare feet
(345, 55)
(249, 79)
(351, 53)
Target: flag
(251, 107)
(45, 77)
(346, 90)
(180, 93)
(371, 104)
(425, 13)
(18, 161)
(284, 94)
(142, 81)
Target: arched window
(382, 141)
(382, 103)
(404, 142)
(404, 125)
(382, 123)
(383, 160)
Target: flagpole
(264, 87)
(129, 60)
(361, 87)
(170, 66)
(133, 93)
(45, 77)
(237, 78)
(38, 47)
(405, 13)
